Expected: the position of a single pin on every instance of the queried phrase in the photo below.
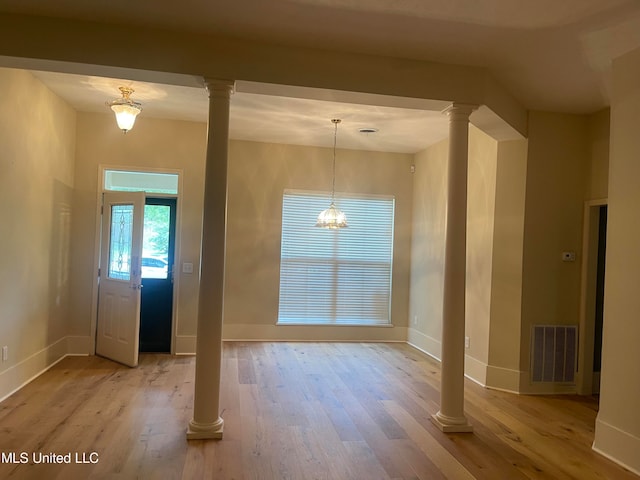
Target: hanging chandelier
(333, 217)
(125, 109)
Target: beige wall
(481, 204)
(37, 138)
(427, 248)
(525, 207)
(599, 148)
(153, 144)
(49, 187)
(503, 370)
(618, 422)
(557, 166)
(258, 174)
(427, 267)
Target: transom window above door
(150, 182)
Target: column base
(451, 424)
(198, 431)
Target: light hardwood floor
(292, 411)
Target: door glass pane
(120, 242)
(155, 249)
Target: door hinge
(101, 209)
(99, 270)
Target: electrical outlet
(5, 353)
(467, 342)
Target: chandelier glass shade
(332, 218)
(125, 109)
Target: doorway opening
(135, 301)
(592, 297)
(158, 253)
(599, 300)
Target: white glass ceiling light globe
(126, 110)
(125, 116)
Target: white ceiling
(265, 118)
(551, 55)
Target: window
(336, 276)
(150, 182)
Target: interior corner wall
(481, 204)
(37, 135)
(427, 248)
(557, 167)
(153, 144)
(503, 371)
(258, 175)
(617, 433)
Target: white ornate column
(451, 417)
(206, 422)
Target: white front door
(120, 277)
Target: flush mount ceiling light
(125, 109)
(368, 130)
(332, 217)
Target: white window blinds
(336, 276)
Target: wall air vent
(553, 353)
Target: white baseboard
(311, 333)
(18, 375)
(617, 445)
(424, 343)
(186, 344)
(475, 370)
(504, 379)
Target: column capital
(460, 109)
(218, 86)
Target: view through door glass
(157, 274)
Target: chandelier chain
(335, 122)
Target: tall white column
(206, 422)
(451, 417)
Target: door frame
(590, 235)
(97, 241)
